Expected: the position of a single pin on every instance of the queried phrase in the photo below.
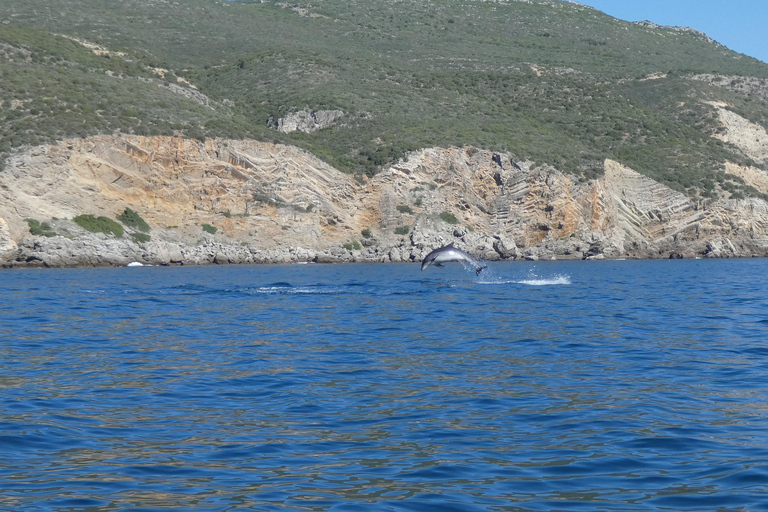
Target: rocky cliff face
(273, 203)
(308, 121)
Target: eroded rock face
(275, 203)
(749, 137)
(6, 242)
(308, 121)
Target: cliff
(276, 203)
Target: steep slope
(333, 130)
(275, 203)
(553, 82)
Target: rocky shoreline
(248, 202)
(99, 250)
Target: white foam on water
(496, 281)
(533, 279)
(290, 290)
(277, 290)
(552, 281)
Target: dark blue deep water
(625, 385)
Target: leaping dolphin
(449, 253)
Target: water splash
(489, 277)
(558, 279)
(535, 279)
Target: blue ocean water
(573, 386)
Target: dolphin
(448, 254)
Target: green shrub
(140, 237)
(404, 209)
(366, 233)
(99, 225)
(402, 230)
(133, 220)
(210, 229)
(449, 218)
(40, 229)
(572, 121)
(354, 244)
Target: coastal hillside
(331, 131)
(112, 200)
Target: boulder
(505, 247)
(6, 242)
(308, 121)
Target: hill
(555, 82)
(362, 85)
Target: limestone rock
(505, 247)
(308, 121)
(751, 138)
(279, 204)
(6, 242)
(163, 253)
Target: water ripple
(535, 386)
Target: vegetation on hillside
(54, 88)
(38, 228)
(550, 81)
(101, 224)
(133, 220)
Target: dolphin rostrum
(449, 253)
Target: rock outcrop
(275, 203)
(308, 121)
(6, 242)
(750, 138)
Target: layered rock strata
(278, 204)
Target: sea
(535, 386)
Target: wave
(369, 291)
(286, 288)
(531, 280)
(552, 281)
(291, 290)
